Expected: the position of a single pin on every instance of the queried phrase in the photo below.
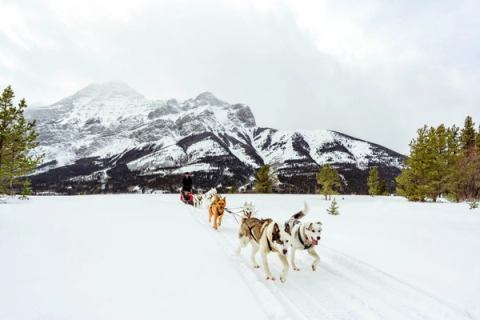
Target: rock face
(109, 138)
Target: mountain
(108, 137)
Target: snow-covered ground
(151, 257)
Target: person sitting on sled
(187, 184)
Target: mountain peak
(104, 91)
(208, 98)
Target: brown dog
(216, 210)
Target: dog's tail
(302, 213)
(296, 217)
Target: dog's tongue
(314, 242)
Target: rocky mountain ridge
(109, 138)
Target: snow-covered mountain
(109, 135)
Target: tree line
(17, 140)
(443, 161)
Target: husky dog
(197, 199)
(248, 209)
(265, 236)
(305, 236)
(208, 198)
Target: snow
(151, 257)
(205, 148)
(168, 156)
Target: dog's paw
(296, 269)
(314, 268)
(283, 279)
(256, 266)
(271, 278)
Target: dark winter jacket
(187, 183)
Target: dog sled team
(265, 235)
(268, 236)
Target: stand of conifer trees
(442, 162)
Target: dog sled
(186, 197)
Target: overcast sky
(373, 69)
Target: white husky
(305, 236)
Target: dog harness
(269, 245)
(308, 246)
(266, 236)
(251, 233)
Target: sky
(374, 69)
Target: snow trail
(343, 287)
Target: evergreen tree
(466, 176)
(373, 182)
(468, 134)
(434, 165)
(453, 153)
(383, 188)
(17, 140)
(333, 209)
(264, 180)
(329, 180)
(412, 182)
(26, 189)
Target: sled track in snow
(342, 288)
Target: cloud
(372, 69)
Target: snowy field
(151, 257)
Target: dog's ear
(276, 232)
(287, 228)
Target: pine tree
(466, 176)
(329, 180)
(383, 188)
(412, 182)
(452, 156)
(26, 189)
(434, 163)
(333, 209)
(468, 134)
(17, 140)
(264, 180)
(7, 115)
(373, 182)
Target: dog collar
(308, 246)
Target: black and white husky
(304, 236)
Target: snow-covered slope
(151, 257)
(103, 122)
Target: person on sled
(187, 183)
